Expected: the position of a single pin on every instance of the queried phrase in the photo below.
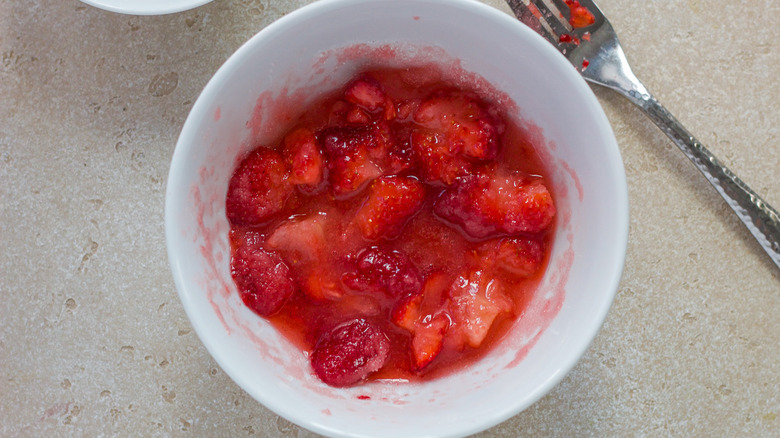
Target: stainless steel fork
(591, 45)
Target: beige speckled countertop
(94, 340)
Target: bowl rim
(147, 7)
(211, 89)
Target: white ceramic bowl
(290, 62)
(146, 7)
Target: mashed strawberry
(396, 231)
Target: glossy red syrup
(396, 231)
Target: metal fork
(594, 50)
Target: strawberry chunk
(349, 174)
(357, 116)
(366, 92)
(302, 244)
(428, 340)
(465, 123)
(383, 142)
(425, 315)
(350, 352)
(320, 283)
(431, 299)
(304, 157)
(439, 160)
(405, 109)
(407, 312)
(475, 303)
(388, 271)
(485, 204)
(338, 113)
(476, 139)
(391, 202)
(579, 16)
(443, 109)
(520, 257)
(399, 156)
(300, 241)
(390, 112)
(355, 137)
(349, 165)
(258, 189)
(341, 141)
(262, 278)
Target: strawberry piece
(439, 160)
(383, 142)
(428, 340)
(357, 116)
(442, 109)
(407, 311)
(349, 165)
(388, 271)
(484, 205)
(245, 236)
(354, 139)
(321, 283)
(427, 334)
(426, 317)
(466, 125)
(349, 174)
(391, 202)
(579, 16)
(262, 278)
(475, 303)
(350, 352)
(304, 157)
(366, 92)
(258, 189)
(343, 141)
(412, 309)
(406, 109)
(338, 113)
(476, 139)
(390, 112)
(302, 244)
(399, 156)
(520, 257)
(300, 241)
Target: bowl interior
(317, 48)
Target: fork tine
(543, 21)
(563, 8)
(533, 19)
(553, 17)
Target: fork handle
(759, 217)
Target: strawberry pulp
(395, 232)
